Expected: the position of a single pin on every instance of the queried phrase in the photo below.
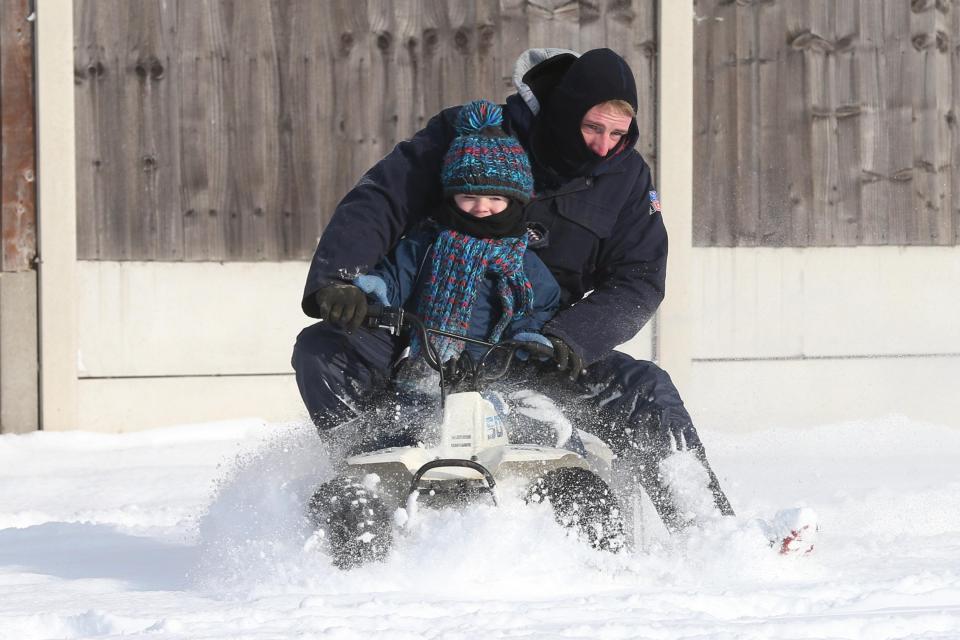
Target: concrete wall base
(19, 400)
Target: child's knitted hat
(483, 159)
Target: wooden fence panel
(18, 221)
(825, 123)
(715, 122)
(228, 130)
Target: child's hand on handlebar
(537, 345)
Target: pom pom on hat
(483, 159)
(477, 116)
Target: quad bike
(460, 459)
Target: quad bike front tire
(355, 524)
(582, 501)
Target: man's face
(603, 128)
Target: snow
(196, 532)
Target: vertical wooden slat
(459, 55)
(554, 23)
(448, 45)
(747, 193)
(844, 226)
(306, 159)
(156, 226)
(922, 97)
(946, 43)
(512, 38)
(408, 69)
(953, 120)
(714, 195)
(382, 60)
(436, 29)
(818, 49)
(490, 66)
(593, 26)
(104, 155)
(929, 79)
(874, 221)
(703, 78)
(775, 89)
(798, 114)
(898, 121)
(286, 205)
(253, 113)
(88, 59)
(350, 33)
(204, 150)
(17, 195)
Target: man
(603, 239)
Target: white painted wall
(781, 337)
(164, 343)
(809, 336)
(182, 318)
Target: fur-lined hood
(528, 60)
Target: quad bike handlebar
(487, 369)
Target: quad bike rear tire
(582, 501)
(355, 524)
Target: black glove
(566, 357)
(343, 304)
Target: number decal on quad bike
(494, 427)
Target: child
(468, 270)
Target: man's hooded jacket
(605, 241)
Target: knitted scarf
(460, 262)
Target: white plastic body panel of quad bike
(470, 424)
(471, 430)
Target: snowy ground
(195, 532)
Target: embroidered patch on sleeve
(654, 203)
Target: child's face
(480, 206)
